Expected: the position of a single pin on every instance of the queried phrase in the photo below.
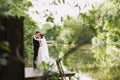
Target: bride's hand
(40, 44)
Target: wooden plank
(31, 73)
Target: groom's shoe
(34, 66)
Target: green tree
(106, 42)
(16, 8)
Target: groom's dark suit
(36, 47)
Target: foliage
(14, 7)
(116, 3)
(106, 43)
(49, 30)
(75, 30)
(4, 53)
(48, 74)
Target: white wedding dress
(43, 54)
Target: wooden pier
(31, 74)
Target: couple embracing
(41, 53)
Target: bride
(43, 54)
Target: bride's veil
(43, 53)
(45, 47)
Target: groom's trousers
(35, 56)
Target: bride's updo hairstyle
(41, 35)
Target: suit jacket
(36, 42)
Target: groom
(36, 43)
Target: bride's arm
(37, 39)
